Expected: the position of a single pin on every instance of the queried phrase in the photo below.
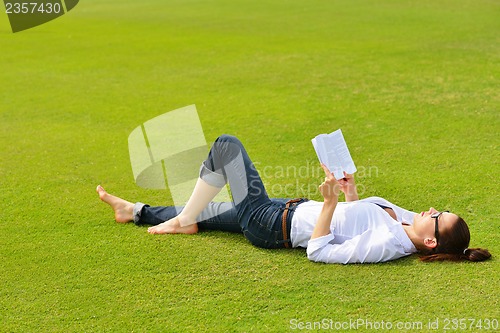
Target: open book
(332, 151)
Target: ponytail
(476, 254)
(453, 246)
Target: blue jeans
(251, 212)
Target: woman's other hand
(348, 187)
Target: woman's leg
(220, 216)
(259, 216)
(227, 162)
(126, 211)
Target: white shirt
(361, 232)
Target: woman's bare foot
(124, 210)
(173, 226)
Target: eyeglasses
(436, 229)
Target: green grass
(413, 85)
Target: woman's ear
(430, 242)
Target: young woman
(356, 231)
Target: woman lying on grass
(356, 231)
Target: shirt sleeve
(372, 246)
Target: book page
(319, 147)
(342, 152)
(333, 152)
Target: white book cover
(332, 151)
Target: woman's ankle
(185, 220)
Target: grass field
(414, 85)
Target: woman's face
(424, 223)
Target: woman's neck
(410, 232)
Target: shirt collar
(404, 240)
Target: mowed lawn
(414, 85)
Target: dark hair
(453, 245)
